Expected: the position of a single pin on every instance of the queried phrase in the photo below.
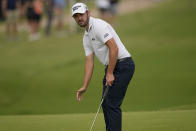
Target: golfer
(101, 40)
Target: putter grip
(106, 92)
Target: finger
(109, 83)
(77, 96)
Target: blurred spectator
(11, 13)
(34, 13)
(1, 11)
(103, 7)
(49, 13)
(114, 7)
(22, 7)
(59, 7)
(72, 24)
(22, 22)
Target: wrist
(84, 86)
(109, 72)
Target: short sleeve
(87, 47)
(103, 32)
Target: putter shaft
(104, 95)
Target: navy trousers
(123, 73)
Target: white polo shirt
(98, 34)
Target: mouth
(80, 22)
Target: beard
(82, 24)
(85, 23)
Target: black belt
(124, 59)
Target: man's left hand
(109, 79)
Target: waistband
(124, 59)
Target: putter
(104, 95)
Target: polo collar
(90, 25)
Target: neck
(87, 25)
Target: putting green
(179, 120)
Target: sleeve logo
(106, 35)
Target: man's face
(81, 19)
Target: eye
(80, 14)
(75, 16)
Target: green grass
(183, 120)
(38, 80)
(42, 77)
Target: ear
(89, 13)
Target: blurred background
(42, 57)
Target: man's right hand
(80, 92)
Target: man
(114, 7)
(101, 40)
(103, 7)
(49, 12)
(59, 6)
(11, 13)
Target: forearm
(88, 70)
(113, 55)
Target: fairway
(42, 77)
(183, 120)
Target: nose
(79, 17)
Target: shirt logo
(76, 7)
(106, 35)
(93, 39)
